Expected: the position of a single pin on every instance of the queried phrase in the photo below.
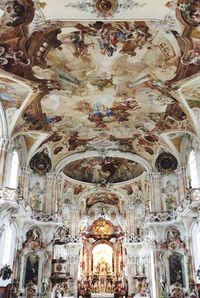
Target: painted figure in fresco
(37, 192)
(17, 12)
(75, 141)
(170, 188)
(101, 83)
(195, 10)
(102, 114)
(110, 37)
(193, 57)
(81, 48)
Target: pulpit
(5, 292)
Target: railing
(134, 238)
(45, 216)
(12, 195)
(73, 239)
(161, 216)
(192, 197)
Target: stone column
(155, 205)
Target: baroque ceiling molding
(106, 8)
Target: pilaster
(25, 183)
(6, 149)
(155, 182)
(50, 190)
(182, 183)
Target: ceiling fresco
(99, 75)
(103, 198)
(103, 170)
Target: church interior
(100, 148)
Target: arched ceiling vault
(107, 76)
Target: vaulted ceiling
(98, 89)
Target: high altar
(102, 259)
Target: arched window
(7, 244)
(14, 170)
(193, 170)
(7, 249)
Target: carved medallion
(166, 163)
(41, 163)
(107, 7)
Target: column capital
(26, 171)
(154, 176)
(6, 144)
(129, 208)
(180, 172)
(196, 145)
(52, 176)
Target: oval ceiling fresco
(103, 170)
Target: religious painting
(105, 198)
(102, 258)
(175, 269)
(102, 227)
(32, 269)
(99, 170)
(36, 191)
